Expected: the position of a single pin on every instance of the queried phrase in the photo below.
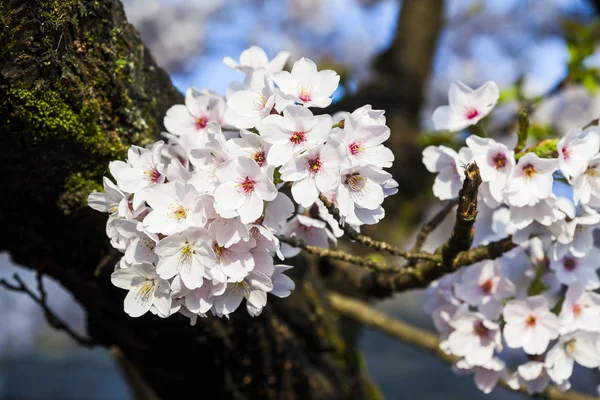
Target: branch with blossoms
(486, 379)
(256, 176)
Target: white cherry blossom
(575, 150)
(307, 86)
(146, 289)
(450, 168)
(466, 106)
(530, 181)
(570, 269)
(249, 106)
(254, 58)
(580, 310)
(142, 169)
(529, 324)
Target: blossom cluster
(540, 300)
(197, 216)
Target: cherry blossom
(581, 347)
(296, 131)
(243, 188)
(530, 181)
(570, 269)
(575, 149)
(146, 289)
(142, 169)
(580, 310)
(450, 168)
(307, 86)
(254, 58)
(317, 170)
(466, 106)
(249, 106)
(529, 324)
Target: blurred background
(531, 48)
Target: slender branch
(335, 254)
(461, 237)
(489, 251)
(433, 223)
(420, 338)
(375, 244)
(41, 300)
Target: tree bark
(77, 87)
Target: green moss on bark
(75, 72)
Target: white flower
(186, 254)
(141, 248)
(145, 287)
(233, 262)
(249, 145)
(206, 160)
(361, 186)
(581, 347)
(108, 201)
(363, 134)
(253, 288)
(317, 170)
(282, 284)
(142, 169)
(533, 376)
(586, 186)
(530, 181)
(529, 324)
(228, 231)
(578, 237)
(450, 168)
(175, 207)
(484, 285)
(249, 106)
(466, 106)
(190, 122)
(495, 163)
(296, 131)
(486, 375)
(580, 310)
(243, 188)
(474, 337)
(545, 212)
(254, 58)
(307, 86)
(575, 149)
(311, 231)
(278, 211)
(570, 269)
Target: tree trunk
(77, 87)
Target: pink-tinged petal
(282, 285)
(446, 118)
(229, 197)
(305, 191)
(516, 311)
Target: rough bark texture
(77, 87)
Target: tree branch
(375, 244)
(41, 300)
(420, 338)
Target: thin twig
(41, 300)
(420, 338)
(335, 254)
(375, 244)
(433, 223)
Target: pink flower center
(487, 286)
(259, 157)
(577, 310)
(201, 122)
(246, 185)
(529, 171)
(480, 329)
(531, 321)
(298, 138)
(314, 165)
(354, 148)
(570, 263)
(305, 93)
(355, 182)
(565, 153)
(472, 113)
(152, 175)
(499, 160)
